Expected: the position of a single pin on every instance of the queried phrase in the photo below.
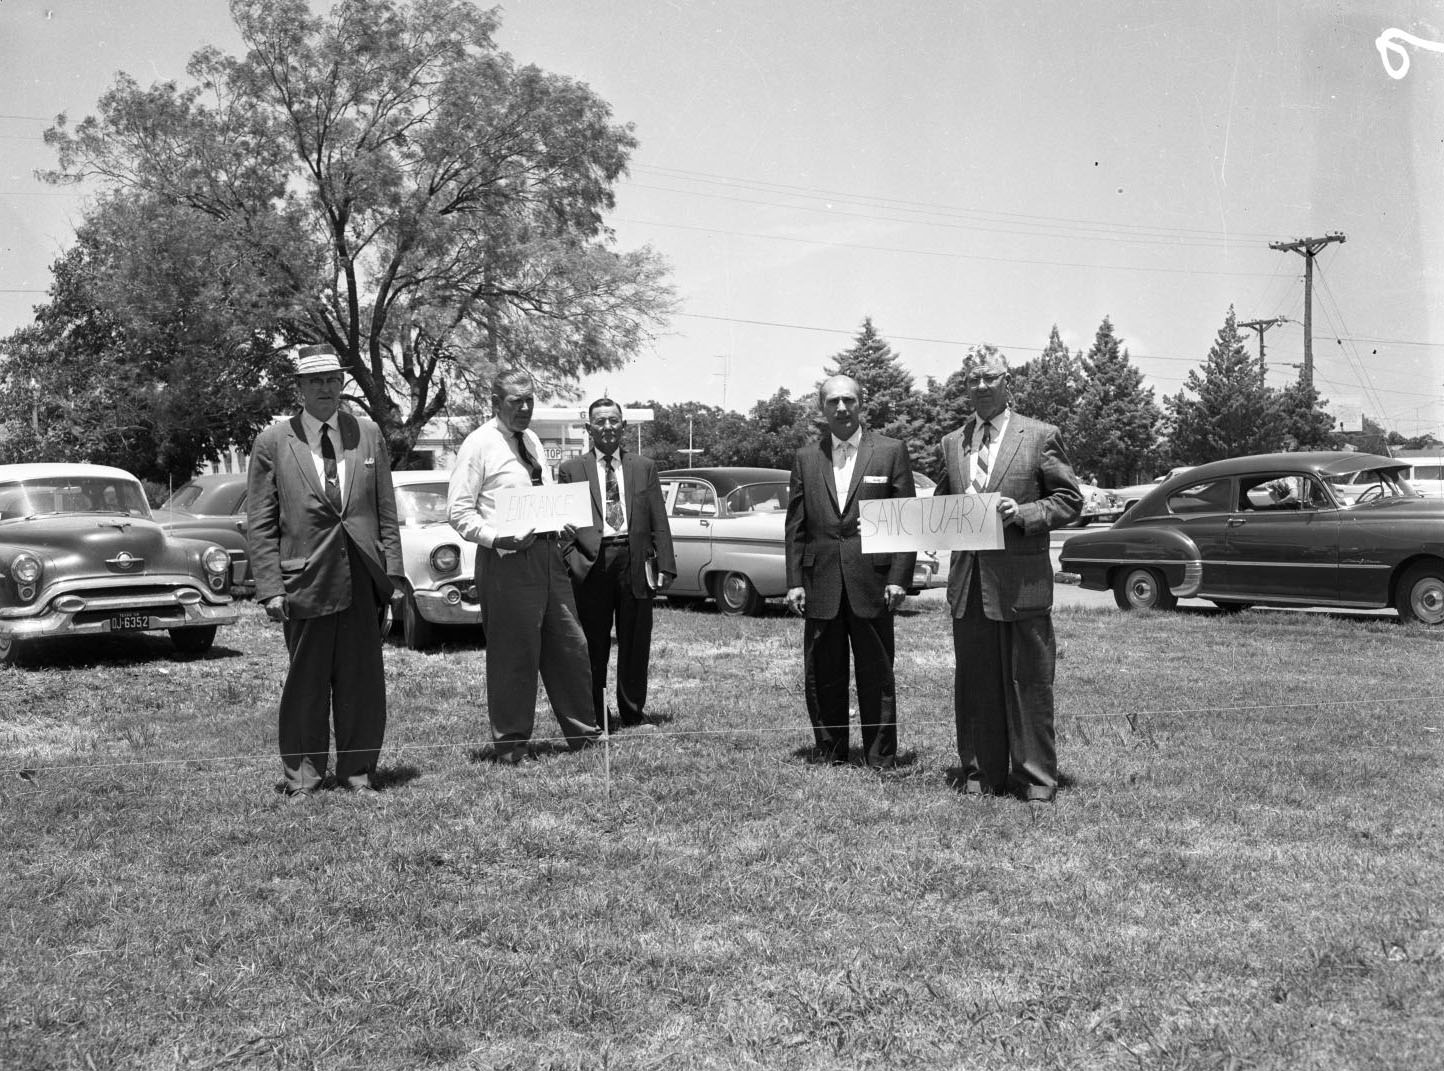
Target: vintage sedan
(1272, 529)
(1099, 504)
(440, 565)
(212, 506)
(728, 532)
(80, 555)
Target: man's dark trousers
(605, 599)
(825, 654)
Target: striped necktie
(983, 458)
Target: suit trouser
(825, 643)
(335, 675)
(1003, 698)
(531, 624)
(605, 598)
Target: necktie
(839, 471)
(328, 464)
(983, 458)
(526, 459)
(614, 497)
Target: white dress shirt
(313, 441)
(487, 461)
(607, 529)
(844, 458)
(999, 425)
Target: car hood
(90, 542)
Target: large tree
(1048, 387)
(1227, 410)
(432, 208)
(1305, 422)
(1115, 427)
(890, 405)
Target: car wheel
(10, 651)
(1142, 589)
(416, 632)
(736, 595)
(1419, 597)
(193, 640)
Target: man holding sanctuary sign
(1002, 600)
(502, 498)
(847, 597)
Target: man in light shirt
(525, 593)
(617, 560)
(847, 597)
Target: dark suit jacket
(647, 528)
(1031, 467)
(295, 537)
(824, 546)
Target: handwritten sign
(943, 522)
(544, 509)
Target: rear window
(1216, 496)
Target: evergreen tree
(1048, 387)
(1116, 423)
(1305, 423)
(1232, 411)
(890, 405)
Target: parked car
(1099, 504)
(1272, 529)
(1427, 476)
(440, 565)
(1133, 494)
(213, 507)
(81, 555)
(729, 537)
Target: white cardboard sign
(942, 522)
(545, 508)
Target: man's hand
(517, 542)
(1008, 510)
(796, 599)
(894, 596)
(664, 581)
(275, 607)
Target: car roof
(1326, 463)
(406, 477)
(47, 470)
(728, 478)
(217, 479)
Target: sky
(961, 171)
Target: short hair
(511, 377)
(605, 401)
(822, 388)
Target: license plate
(128, 622)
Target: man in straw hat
(324, 544)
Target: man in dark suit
(324, 546)
(1001, 600)
(609, 560)
(846, 596)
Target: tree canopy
(1116, 424)
(400, 188)
(1227, 410)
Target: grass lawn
(1244, 871)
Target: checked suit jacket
(824, 544)
(647, 528)
(297, 539)
(1031, 467)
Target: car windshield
(65, 494)
(1371, 486)
(421, 503)
(758, 498)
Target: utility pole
(1261, 326)
(725, 374)
(1308, 248)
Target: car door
(691, 511)
(1283, 539)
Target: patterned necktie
(614, 497)
(526, 459)
(328, 464)
(982, 458)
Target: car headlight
(446, 558)
(216, 560)
(25, 568)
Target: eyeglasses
(974, 381)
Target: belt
(614, 541)
(546, 535)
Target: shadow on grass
(104, 651)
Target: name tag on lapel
(370, 462)
(874, 479)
